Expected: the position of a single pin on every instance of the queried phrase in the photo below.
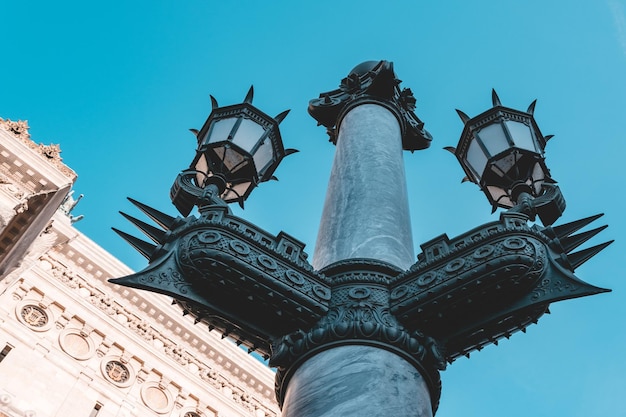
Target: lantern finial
(464, 117)
(279, 118)
(249, 96)
(494, 98)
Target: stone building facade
(73, 345)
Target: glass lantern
(502, 150)
(239, 147)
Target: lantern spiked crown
(502, 150)
(239, 147)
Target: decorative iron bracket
(549, 206)
(462, 294)
(234, 277)
(488, 283)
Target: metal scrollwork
(267, 262)
(426, 279)
(209, 237)
(514, 243)
(483, 252)
(351, 323)
(541, 290)
(398, 292)
(170, 277)
(359, 313)
(239, 247)
(455, 265)
(321, 292)
(359, 293)
(294, 278)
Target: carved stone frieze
(103, 348)
(172, 349)
(20, 291)
(62, 321)
(44, 242)
(11, 188)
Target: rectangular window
(96, 410)
(5, 352)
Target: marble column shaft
(351, 381)
(366, 213)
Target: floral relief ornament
(34, 315)
(117, 372)
(18, 128)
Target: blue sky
(117, 85)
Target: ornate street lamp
(239, 147)
(502, 150)
(365, 329)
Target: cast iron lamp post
(365, 329)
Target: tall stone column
(360, 369)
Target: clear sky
(118, 83)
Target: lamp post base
(356, 380)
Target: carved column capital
(372, 82)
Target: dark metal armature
(461, 295)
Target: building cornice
(24, 155)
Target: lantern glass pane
(234, 192)
(494, 139)
(522, 136)
(248, 134)
(232, 159)
(220, 130)
(500, 196)
(263, 156)
(476, 158)
(504, 165)
(538, 178)
(218, 164)
(202, 167)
